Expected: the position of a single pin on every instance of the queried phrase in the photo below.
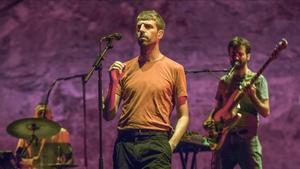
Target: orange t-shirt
(148, 93)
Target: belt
(141, 132)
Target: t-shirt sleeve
(262, 88)
(180, 82)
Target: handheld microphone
(116, 36)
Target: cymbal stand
(33, 138)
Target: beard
(240, 63)
(142, 39)
(142, 42)
(145, 41)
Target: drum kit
(36, 128)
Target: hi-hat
(33, 127)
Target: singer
(149, 86)
(45, 152)
(241, 145)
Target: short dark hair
(238, 41)
(152, 15)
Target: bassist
(241, 145)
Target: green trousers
(239, 149)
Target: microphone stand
(82, 76)
(52, 86)
(47, 97)
(98, 66)
(206, 70)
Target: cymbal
(39, 127)
(59, 165)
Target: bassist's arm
(261, 105)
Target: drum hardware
(31, 129)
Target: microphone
(116, 36)
(232, 69)
(236, 63)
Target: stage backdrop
(43, 40)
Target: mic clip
(109, 38)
